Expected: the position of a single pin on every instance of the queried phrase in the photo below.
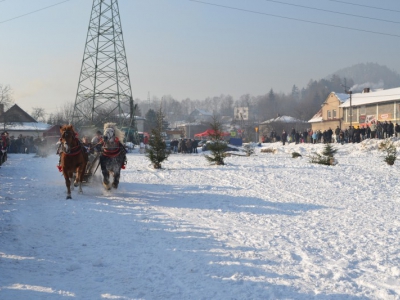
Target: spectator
(373, 129)
(337, 132)
(284, 137)
(397, 130)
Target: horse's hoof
(69, 197)
(115, 185)
(76, 184)
(107, 186)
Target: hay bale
(269, 150)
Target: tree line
(300, 103)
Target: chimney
(366, 90)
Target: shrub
(157, 151)
(295, 154)
(218, 146)
(327, 157)
(329, 150)
(249, 149)
(391, 152)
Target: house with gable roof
(16, 121)
(330, 114)
(200, 115)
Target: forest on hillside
(300, 103)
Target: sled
(91, 167)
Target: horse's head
(109, 134)
(67, 137)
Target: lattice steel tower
(104, 90)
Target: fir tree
(157, 151)
(151, 120)
(327, 157)
(218, 145)
(391, 153)
(329, 151)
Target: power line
(295, 19)
(362, 5)
(32, 12)
(333, 12)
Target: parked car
(201, 143)
(229, 147)
(168, 144)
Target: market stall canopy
(209, 132)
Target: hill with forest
(369, 75)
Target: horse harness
(71, 151)
(114, 151)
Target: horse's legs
(68, 184)
(116, 179)
(79, 178)
(106, 174)
(106, 179)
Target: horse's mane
(118, 133)
(67, 127)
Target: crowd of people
(352, 134)
(184, 146)
(21, 144)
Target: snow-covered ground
(267, 226)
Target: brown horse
(73, 158)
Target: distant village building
(369, 106)
(200, 116)
(361, 110)
(16, 121)
(331, 114)
(281, 123)
(200, 121)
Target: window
(334, 113)
(329, 114)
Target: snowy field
(266, 226)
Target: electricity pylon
(104, 91)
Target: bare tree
(6, 95)
(39, 114)
(62, 115)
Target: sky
(267, 226)
(189, 49)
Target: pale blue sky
(193, 50)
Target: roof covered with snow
(26, 126)
(341, 96)
(317, 117)
(284, 119)
(373, 97)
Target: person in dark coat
(195, 144)
(397, 130)
(390, 129)
(284, 137)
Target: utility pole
(148, 99)
(351, 108)
(104, 91)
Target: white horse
(113, 156)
